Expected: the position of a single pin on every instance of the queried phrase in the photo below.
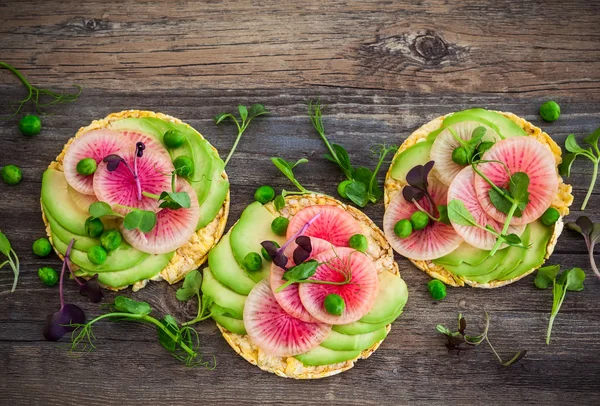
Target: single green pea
(443, 210)
(334, 304)
(87, 166)
(403, 228)
(183, 166)
(48, 276)
(419, 220)
(42, 247)
(341, 189)
(11, 174)
(110, 240)
(550, 216)
(264, 194)
(279, 225)
(97, 255)
(460, 156)
(252, 262)
(550, 111)
(30, 125)
(358, 242)
(436, 289)
(264, 252)
(484, 146)
(173, 139)
(94, 227)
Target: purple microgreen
(305, 243)
(61, 322)
(271, 248)
(591, 234)
(113, 161)
(90, 288)
(300, 255)
(280, 260)
(139, 149)
(418, 184)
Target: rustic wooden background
(383, 68)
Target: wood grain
(382, 68)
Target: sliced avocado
(234, 325)
(342, 342)
(433, 135)
(138, 124)
(539, 237)
(513, 259)
(504, 126)
(474, 271)
(223, 296)
(414, 155)
(392, 295)
(253, 227)
(324, 356)
(56, 199)
(358, 327)
(226, 270)
(146, 269)
(81, 243)
(465, 253)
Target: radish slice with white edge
(333, 224)
(151, 143)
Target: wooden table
(382, 68)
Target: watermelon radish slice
(173, 227)
(359, 295)
(434, 241)
(276, 332)
(334, 224)
(288, 298)
(462, 189)
(151, 143)
(445, 168)
(119, 186)
(520, 154)
(82, 201)
(95, 144)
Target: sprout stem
(592, 183)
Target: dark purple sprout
(113, 161)
(90, 288)
(303, 250)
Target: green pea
(403, 228)
(264, 194)
(48, 276)
(550, 111)
(419, 220)
(183, 166)
(334, 304)
(484, 146)
(30, 125)
(173, 139)
(110, 240)
(550, 216)
(279, 225)
(443, 210)
(436, 289)
(252, 262)
(358, 242)
(11, 174)
(264, 252)
(97, 255)
(460, 156)
(341, 189)
(87, 166)
(94, 227)
(42, 247)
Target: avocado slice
(81, 243)
(138, 124)
(505, 127)
(417, 154)
(253, 227)
(433, 135)
(534, 257)
(342, 342)
(514, 257)
(324, 356)
(359, 327)
(222, 296)
(392, 295)
(59, 205)
(226, 270)
(146, 269)
(234, 325)
(465, 253)
(485, 267)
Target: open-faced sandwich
(304, 291)
(143, 195)
(474, 197)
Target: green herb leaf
(127, 305)
(573, 279)
(143, 220)
(287, 168)
(518, 189)
(101, 209)
(301, 272)
(592, 139)
(164, 339)
(5, 246)
(512, 239)
(191, 286)
(222, 116)
(243, 112)
(357, 193)
(500, 202)
(458, 213)
(279, 203)
(545, 276)
(257, 110)
(217, 310)
(565, 166)
(174, 200)
(571, 145)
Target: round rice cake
(561, 202)
(379, 251)
(195, 251)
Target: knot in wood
(90, 24)
(430, 47)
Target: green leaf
(191, 286)
(164, 339)
(565, 166)
(100, 209)
(143, 220)
(571, 145)
(518, 188)
(279, 203)
(298, 162)
(5, 246)
(546, 276)
(512, 239)
(357, 193)
(257, 110)
(221, 116)
(443, 329)
(573, 279)
(458, 213)
(217, 310)
(478, 134)
(301, 272)
(175, 200)
(343, 159)
(592, 139)
(127, 305)
(500, 201)
(283, 166)
(516, 358)
(243, 112)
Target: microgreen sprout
(287, 168)
(143, 220)
(90, 288)
(591, 234)
(113, 161)
(191, 288)
(35, 94)
(11, 259)
(460, 340)
(246, 116)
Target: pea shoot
(30, 125)
(12, 259)
(42, 247)
(11, 174)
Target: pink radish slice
(275, 331)
(359, 295)
(151, 143)
(119, 186)
(82, 201)
(520, 154)
(173, 227)
(334, 224)
(462, 189)
(95, 144)
(288, 298)
(434, 241)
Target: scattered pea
(97, 255)
(173, 139)
(279, 225)
(419, 220)
(184, 166)
(550, 216)
(550, 111)
(94, 227)
(358, 242)
(30, 125)
(403, 228)
(252, 262)
(334, 304)
(341, 189)
(48, 276)
(436, 289)
(110, 240)
(11, 174)
(264, 194)
(460, 156)
(87, 166)
(42, 247)
(264, 252)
